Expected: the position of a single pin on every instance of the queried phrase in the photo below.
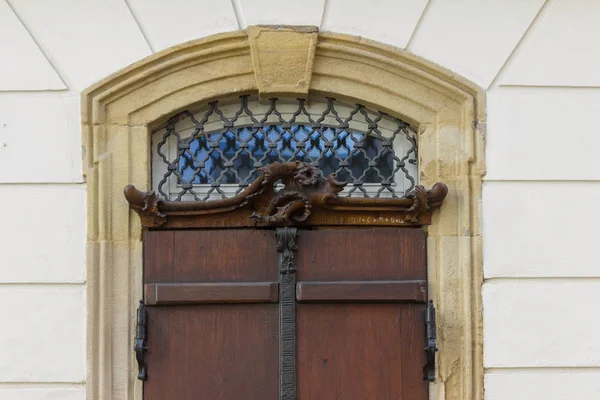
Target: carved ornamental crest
(306, 198)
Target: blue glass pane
(234, 156)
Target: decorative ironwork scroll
(306, 198)
(286, 250)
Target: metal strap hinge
(430, 327)
(139, 345)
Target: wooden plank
(362, 255)
(227, 255)
(159, 249)
(361, 351)
(206, 293)
(358, 291)
(217, 352)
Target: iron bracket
(139, 346)
(430, 327)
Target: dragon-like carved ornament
(305, 197)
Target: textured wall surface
(537, 59)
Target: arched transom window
(217, 150)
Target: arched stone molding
(119, 113)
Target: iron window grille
(218, 150)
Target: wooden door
(354, 314)
(211, 315)
(361, 299)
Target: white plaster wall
(537, 59)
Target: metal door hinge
(139, 345)
(429, 368)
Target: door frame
(120, 113)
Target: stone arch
(118, 115)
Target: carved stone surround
(120, 113)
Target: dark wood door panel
(220, 255)
(361, 254)
(210, 352)
(360, 316)
(361, 351)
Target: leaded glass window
(217, 150)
